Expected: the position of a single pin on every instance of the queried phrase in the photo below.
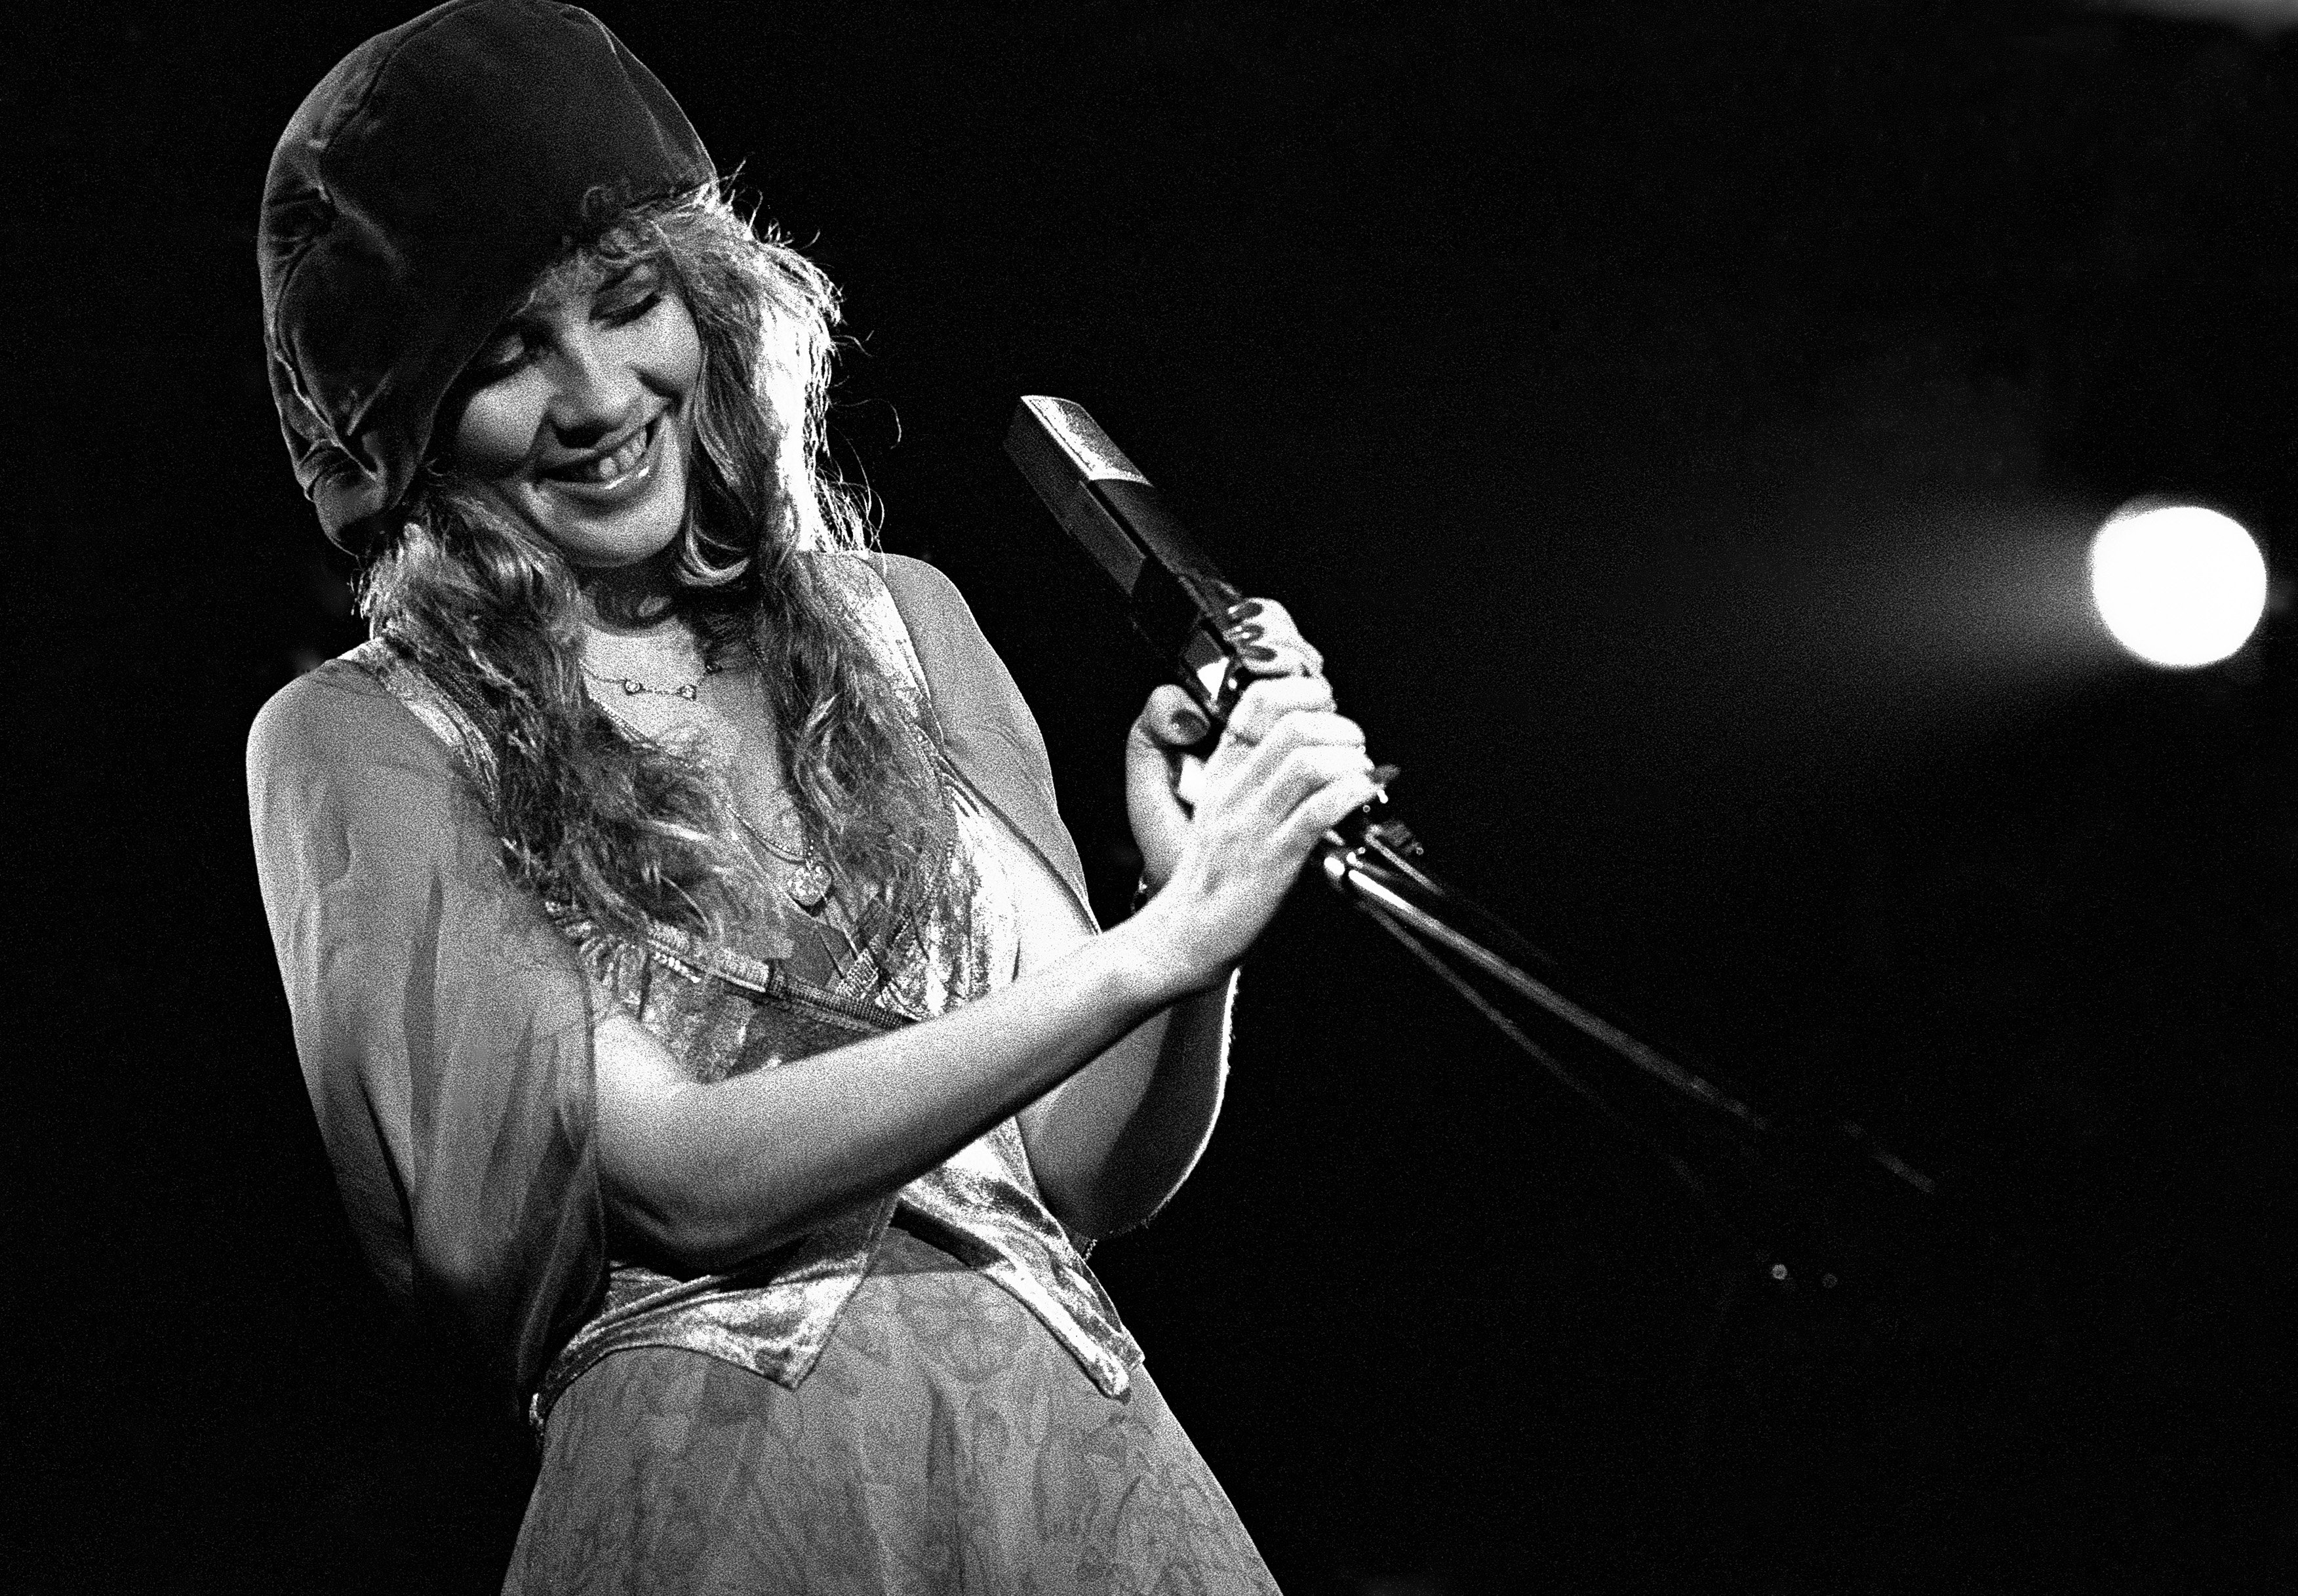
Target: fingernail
(1384, 775)
(1257, 654)
(1192, 726)
(1244, 611)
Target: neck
(627, 600)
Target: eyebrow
(621, 274)
(523, 312)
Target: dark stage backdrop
(1678, 424)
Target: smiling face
(577, 417)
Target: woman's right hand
(1288, 769)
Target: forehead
(571, 281)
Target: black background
(1678, 424)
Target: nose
(595, 396)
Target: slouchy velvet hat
(414, 197)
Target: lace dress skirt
(946, 1441)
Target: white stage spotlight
(2177, 584)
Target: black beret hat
(413, 199)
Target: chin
(611, 536)
(614, 549)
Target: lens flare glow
(2177, 584)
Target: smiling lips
(612, 470)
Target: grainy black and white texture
(1677, 425)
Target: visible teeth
(609, 466)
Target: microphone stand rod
(1694, 1187)
(1346, 870)
(1375, 870)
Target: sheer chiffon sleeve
(443, 1024)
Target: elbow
(1102, 1188)
(677, 1196)
(689, 1215)
(1099, 1209)
(677, 1239)
(1102, 1224)
(686, 1232)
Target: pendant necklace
(809, 878)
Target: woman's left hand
(1170, 724)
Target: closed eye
(500, 355)
(637, 309)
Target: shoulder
(924, 611)
(940, 623)
(928, 601)
(973, 694)
(915, 582)
(346, 782)
(335, 718)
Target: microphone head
(1172, 594)
(1062, 452)
(1057, 425)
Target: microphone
(1170, 591)
(1175, 599)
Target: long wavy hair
(619, 830)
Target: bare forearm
(713, 1174)
(1112, 1144)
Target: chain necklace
(631, 686)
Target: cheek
(495, 432)
(673, 359)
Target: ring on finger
(1302, 661)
